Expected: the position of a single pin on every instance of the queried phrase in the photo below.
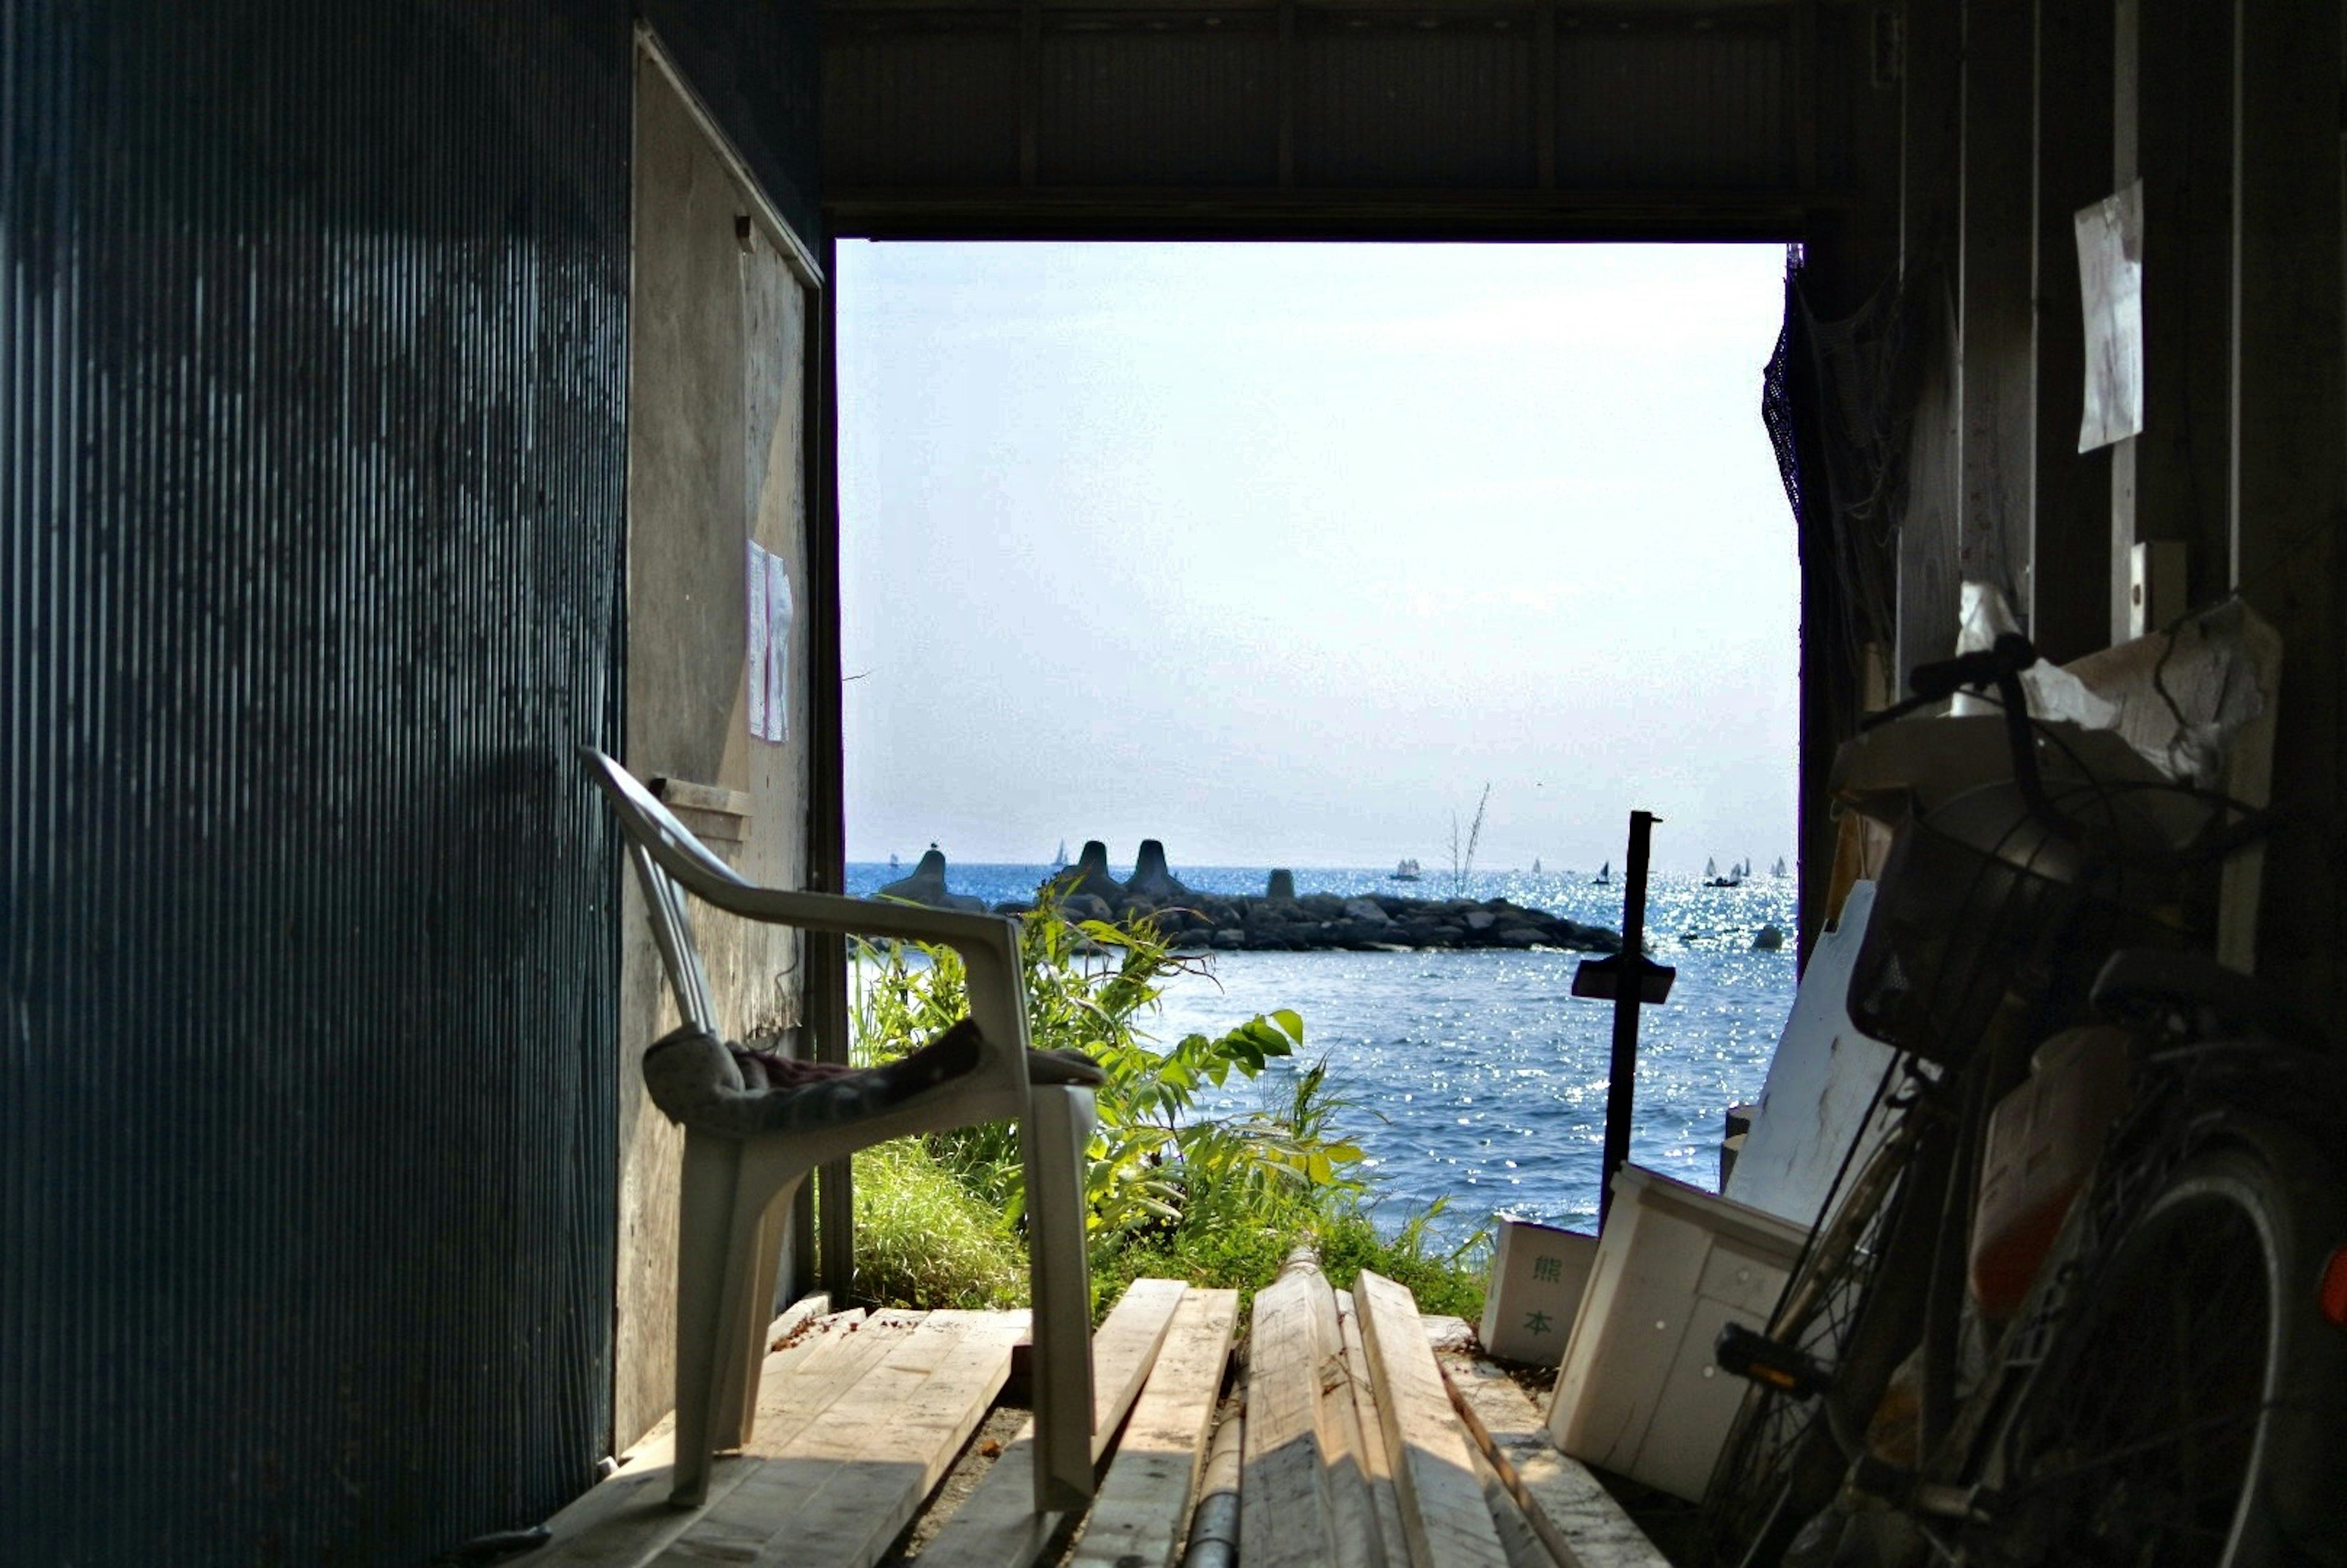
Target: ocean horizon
(1475, 1076)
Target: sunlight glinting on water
(1476, 1075)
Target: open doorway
(1279, 555)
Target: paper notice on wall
(753, 660)
(2110, 284)
(778, 650)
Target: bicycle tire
(2156, 1432)
(1781, 1461)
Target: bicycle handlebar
(2008, 658)
(2000, 665)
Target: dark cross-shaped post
(1631, 980)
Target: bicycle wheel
(1781, 1461)
(2194, 1411)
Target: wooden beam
(2172, 130)
(1359, 1540)
(1545, 93)
(626, 1519)
(2289, 406)
(1518, 1539)
(1930, 182)
(997, 1525)
(1286, 1517)
(1377, 1455)
(832, 1206)
(1252, 213)
(1138, 1519)
(1444, 1520)
(1600, 1535)
(2070, 530)
(1286, 70)
(1996, 264)
(841, 1488)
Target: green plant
(923, 1239)
(1089, 985)
(1449, 1281)
(1171, 1189)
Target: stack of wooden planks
(1351, 1452)
(1359, 1454)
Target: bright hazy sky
(1279, 552)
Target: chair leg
(728, 1251)
(1058, 1124)
(733, 1408)
(712, 1168)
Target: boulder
(927, 886)
(1366, 909)
(1086, 907)
(1282, 887)
(1151, 879)
(1480, 920)
(1767, 939)
(1088, 875)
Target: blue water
(1476, 1074)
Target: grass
(923, 1240)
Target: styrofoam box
(1638, 1393)
(1538, 1273)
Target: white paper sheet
(778, 650)
(754, 660)
(2110, 281)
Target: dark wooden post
(1629, 992)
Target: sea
(1476, 1077)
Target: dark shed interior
(314, 350)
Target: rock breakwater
(1372, 924)
(1280, 919)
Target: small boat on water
(1778, 869)
(1060, 857)
(1605, 875)
(1536, 870)
(892, 863)
(1408, 871)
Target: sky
(1279, 553)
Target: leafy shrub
(1218, 1200)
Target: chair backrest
(662, 848)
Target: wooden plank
(997, 1525)
(1377, 1458)
(839, 1490)
(684, 793)
(1359, 1543)
(807, 1313)
(1581, 1510)
(1518, 1539)
(1137, 1518)
(1286, 1517)
(626, 1521)
(1443, 1517)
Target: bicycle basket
(1968, 901)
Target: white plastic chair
(737, 1190)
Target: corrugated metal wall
(972, 99)
(312, 369)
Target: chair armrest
(988, 944)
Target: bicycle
(1986, 1458)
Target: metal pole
(1629, 995)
